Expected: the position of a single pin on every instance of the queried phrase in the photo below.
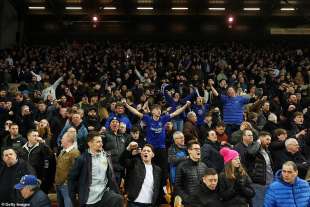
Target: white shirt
(147, 190)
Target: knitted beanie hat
(228, 154)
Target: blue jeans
(258, 200)
(63, 198)
(231, 128)
(178, 124)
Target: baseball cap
(27, 180)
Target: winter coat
(191, 131)
(256, 165)
(41, 158)
(175, 157)
(188, 177)
(297, 158)
(210, 155)
(115, 144)
(282, 194)
(204, 197)
(39, 199)
(236, 193)
(81, 135)
(80, 177)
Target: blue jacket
(200, 111)
(282, 194)
(177, 104)
(39, 199)
(81, 135)
(233, 108)
(175, 156)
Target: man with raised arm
(155, 131)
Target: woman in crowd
(234, 183)
(45, 132)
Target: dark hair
(30, 131)
(220, 124)
(135, 129)
(7, 148)
(13, 124)
(91, 135)
(41, 102)
(264, 133)
(191, 143)
(150, 146)
(210, 171)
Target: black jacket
(25, 123)
(37, 157)
(80, 177)
(256, 164)
(277, 149)
(210, 155)
(295, 129)
(236, 193)
(297, 158)
(204, 197)
(115, 144)
(242, 149)
(15, 173)
(270, 127)
(135, 175)
(57, 123)
(16, 143)
(188, 176)
(41, 158)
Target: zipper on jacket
(29, 151)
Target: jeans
(118, 177)
(231, 128)
(63, 198)
(258, 200)
(178, 124)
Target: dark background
(20, 26)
